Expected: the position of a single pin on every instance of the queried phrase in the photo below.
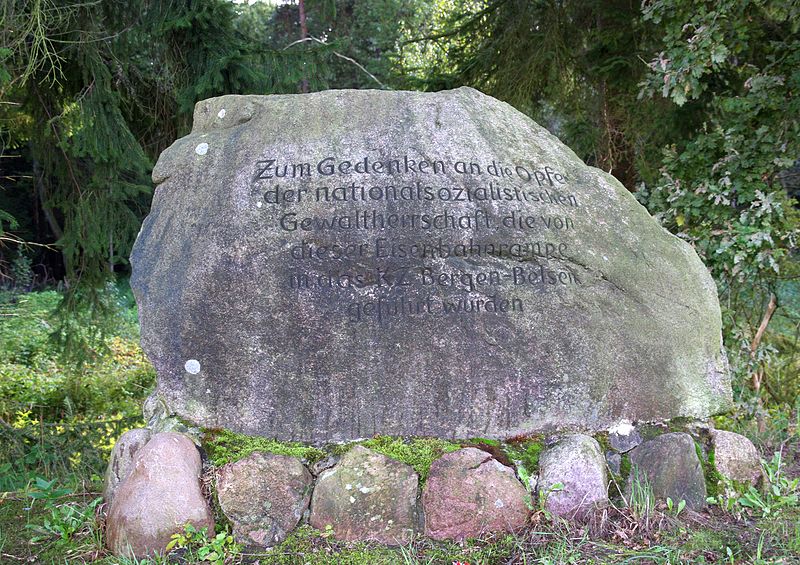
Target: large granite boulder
(366, 496)
(575, 462)
(264, 496)
(669, 465)
(334, 265)
(159, 496)
(469, 493)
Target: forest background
(693, 106)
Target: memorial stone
(330, 266)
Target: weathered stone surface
(159, 419)
(160, 495)
(577, 463)
(468, 493)
(670, 465)
(120, 462)
(735, 457)
(334, 265)
(264, 496)
(366, 496)
(624, 437)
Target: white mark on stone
(348, 486)
(365, 490)
(498, 503)
(192, 366)
(221, 114)
(208, 391)
(259, 204)
(623, 428)
(352, 500)
(201, 149)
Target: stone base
(365, 495)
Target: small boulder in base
(160, 495)
(119, 465)
(264, 496)
(468, 493)
(366, 496)
(669, 465)
(624, 437)
(577, 463)
(735, 457)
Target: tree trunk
(41, 193)
(303, 35)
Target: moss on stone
(485, 441)
(680, 424)
(625, 467)
(602, 439)
(526, 452)
(419, 453)
(225, 446)
(650, 431)
(712, 477)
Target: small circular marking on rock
(201, 149)
(221, 114)
(192, 366)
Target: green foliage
(198, 547)
(53, 421)
(780, 492)
(779, 495)
(62, 520)
(526, 453)
(676, 509)
(225, 446)
(641, 500)
(34, 377)
(736, 65)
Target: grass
(57, 428)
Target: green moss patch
(419, 453)
(712, 477)
(526, 453)
(224, 446)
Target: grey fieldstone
(624, 442)
(366, 497)
(469, 493)
(160, 495)
(329, 266)
(324, 464)
(735, 457)
(577, 463)
(122, 456)
(670, 466)
(264, 496)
